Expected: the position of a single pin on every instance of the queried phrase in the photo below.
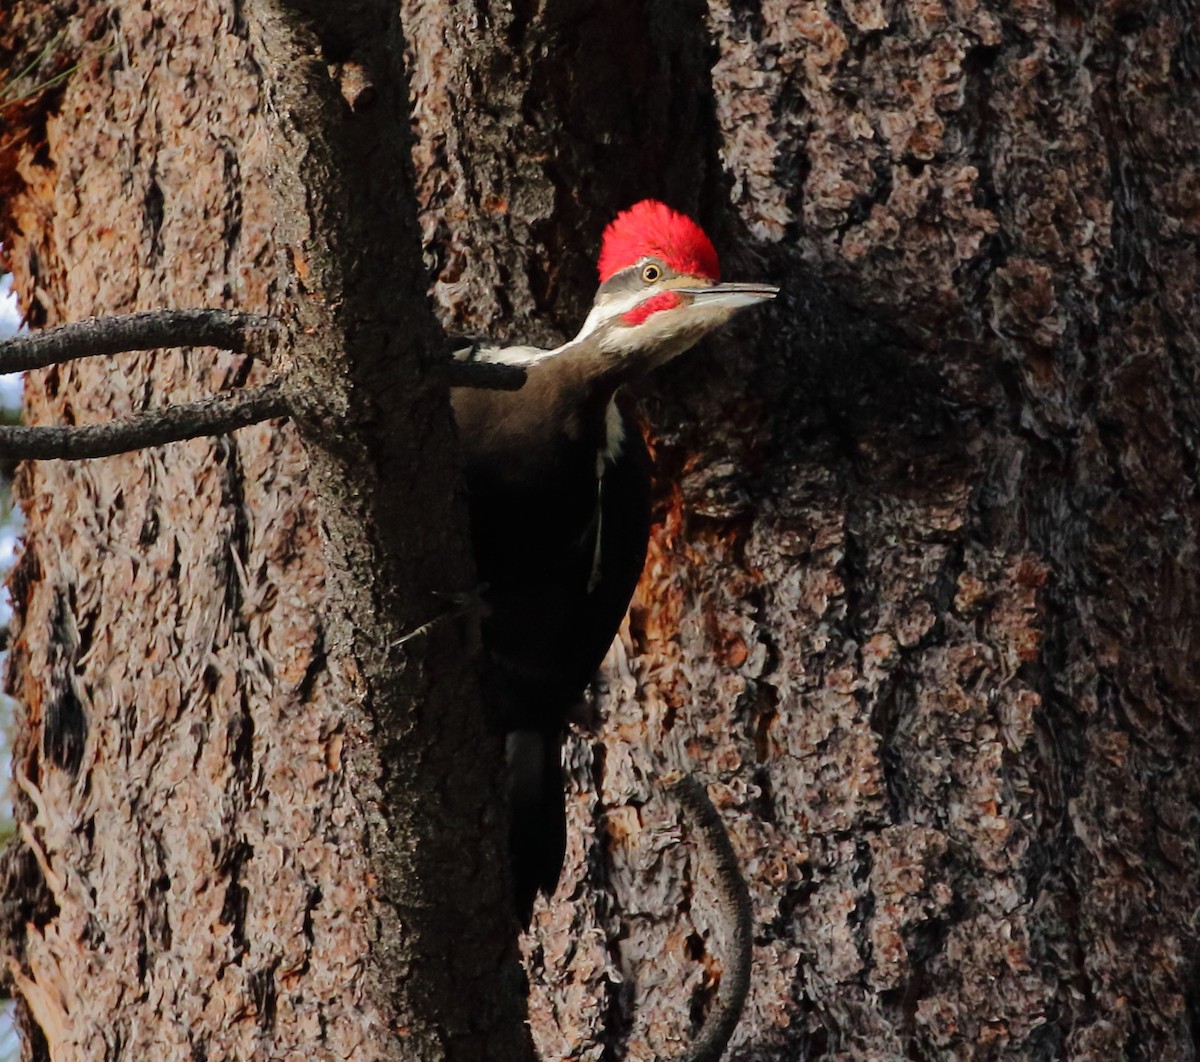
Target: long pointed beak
(730, 296)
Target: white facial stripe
(610, 308)
(594, 577)
(672, 332)
(614, 439)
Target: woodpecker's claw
(474, 596)
(463, 602)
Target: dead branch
(215, 415)
(486, 375)
(735, 919)
(241, 333)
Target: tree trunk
(247, 791)
(920, 601)
(919, 606)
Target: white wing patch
(594, 578)
(614, 440)
(614, 433)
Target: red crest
(651, 228)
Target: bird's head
(660, 291)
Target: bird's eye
(651, 273)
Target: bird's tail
(537, 833)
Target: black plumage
(559, 483)
(559, 523)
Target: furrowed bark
(921, 597)
(921, 594)
(361, 336)
(248, 797)
(605, 116)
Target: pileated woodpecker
(559, 484)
